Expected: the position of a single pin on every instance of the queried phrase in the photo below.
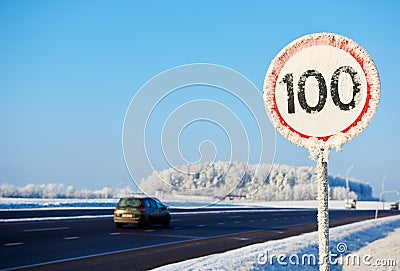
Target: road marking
(221, 223)
(251, 220)
(46, 229)
(149, 230)
(201, 225)
(71, 238)
(177, 228)
(256, 210)
(13, 244)
(237, 222)
(240, 238)
(30, 219)
(264, 219)
(115, 233)
(164, 235)
(275, 218)
(235, 216)
(175, 220)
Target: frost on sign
(321, 91)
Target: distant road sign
(321, 90)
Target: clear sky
(69, 69)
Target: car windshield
(129, 203)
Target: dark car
(394, 206)
(352, 204)
(141, 211)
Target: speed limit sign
(321, 90)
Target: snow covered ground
(333, 204)
(32, 203)
(29, 203)
(383, 249)
(366, 245)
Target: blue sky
(69, 69)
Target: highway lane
(37, 242)
(76, 212)
(53, 212)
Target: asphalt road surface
(95, 244)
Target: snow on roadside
(313, 204)
(30, 203)
(301, 252)
(382, 254)
(33, 203)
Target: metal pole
(347, 184)
(381, 195)
(383, 192)
(376, 211)
(323, 214)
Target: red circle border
(318, 39)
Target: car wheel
(146, 223)
(167, 223)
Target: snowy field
(366, 245)
(333, 204)
(29, 203)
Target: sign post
(321, 91)
(323, 214)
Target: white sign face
(321, 90)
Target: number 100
(334, 87)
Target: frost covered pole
(323, 214)
(325, 114)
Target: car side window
(153, 204)
(159, 205)
(146, 203)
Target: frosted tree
(266, 182)
(70, 192)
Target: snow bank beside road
(28, 203)
(382, 252)
(333, 204)
(301, 252)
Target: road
(95, 244)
